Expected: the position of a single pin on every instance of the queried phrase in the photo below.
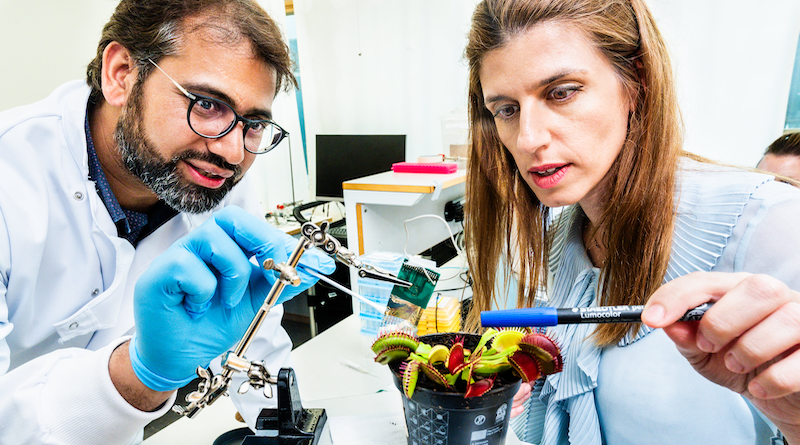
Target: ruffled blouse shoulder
(710, 199)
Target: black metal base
(246, 436)
(294, 424)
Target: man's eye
(210, 105)
(258, 127)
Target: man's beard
(162, 176)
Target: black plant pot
(435, 416)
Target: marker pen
(550, 316)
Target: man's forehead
(214, 31)
(228, 65)
(785, 165)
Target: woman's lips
(548, 176)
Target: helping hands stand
(294, 424)
(213, 386)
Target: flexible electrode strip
(376, 306)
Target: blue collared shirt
(131, 225)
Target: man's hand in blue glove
(196, 300)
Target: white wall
(48, 42)
(276, 181)
(395, 66)
(44, 43)
(382, 67)
(734, 61)
(391, 66)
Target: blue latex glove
(196, 300)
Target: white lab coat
(66, 285)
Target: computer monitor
(342, 157)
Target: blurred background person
(782, 157)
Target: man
(121, 206)
(782, 157)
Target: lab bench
(324, 382)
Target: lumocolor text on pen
(551, 316)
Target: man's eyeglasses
(212, 118)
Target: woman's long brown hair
(505, 220)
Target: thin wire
(342, 209)
(358, 29)
(459, 252)
(312, 272)
(454, 289)
(436, 312)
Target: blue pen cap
(537, 316)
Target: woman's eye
(564, 92)
(505, 112)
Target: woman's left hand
(522, 395)
(749, 341)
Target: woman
(572, 103)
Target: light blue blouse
(642, 390)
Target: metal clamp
(334, 248)
(214, 386)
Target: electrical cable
(436, 312)
(454, 289)
(459, 252)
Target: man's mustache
(211, 158)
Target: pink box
(417, 167)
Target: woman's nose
(534, 131)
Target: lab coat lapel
(138, 260)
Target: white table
(323, 381)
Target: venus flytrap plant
(454, 368)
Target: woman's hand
(748, 341)
(518, 404)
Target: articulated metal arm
(214, 386)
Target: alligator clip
(367, 271)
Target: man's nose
(231, 146)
